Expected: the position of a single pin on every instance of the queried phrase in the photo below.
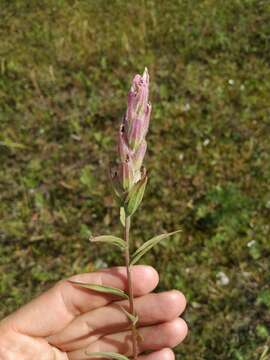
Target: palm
(67, 321)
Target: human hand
(65, 321)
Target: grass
(64, 72)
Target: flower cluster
(131, 139)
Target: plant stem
(130, 288)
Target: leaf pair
(142, 250)
(131, 199)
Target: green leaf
(113, 240)
(148, 246)
(101, 288)
(135, 196)
(122, 215)
(107, 355)
(133, 318)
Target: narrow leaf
(122, 216)
(133, 318)
(135, 196)
(113, 240)
(102, 289)
(107, 355)
(148, 246)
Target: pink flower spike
(131, 138)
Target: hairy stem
(130, 288)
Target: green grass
(65, 68)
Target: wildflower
(131, 138)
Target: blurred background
(65, 69)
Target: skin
(66, 321)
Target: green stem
(130, 288)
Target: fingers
(89, 327)
(56, 308)
(78, 300)
(164, 354)
(155, 337)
